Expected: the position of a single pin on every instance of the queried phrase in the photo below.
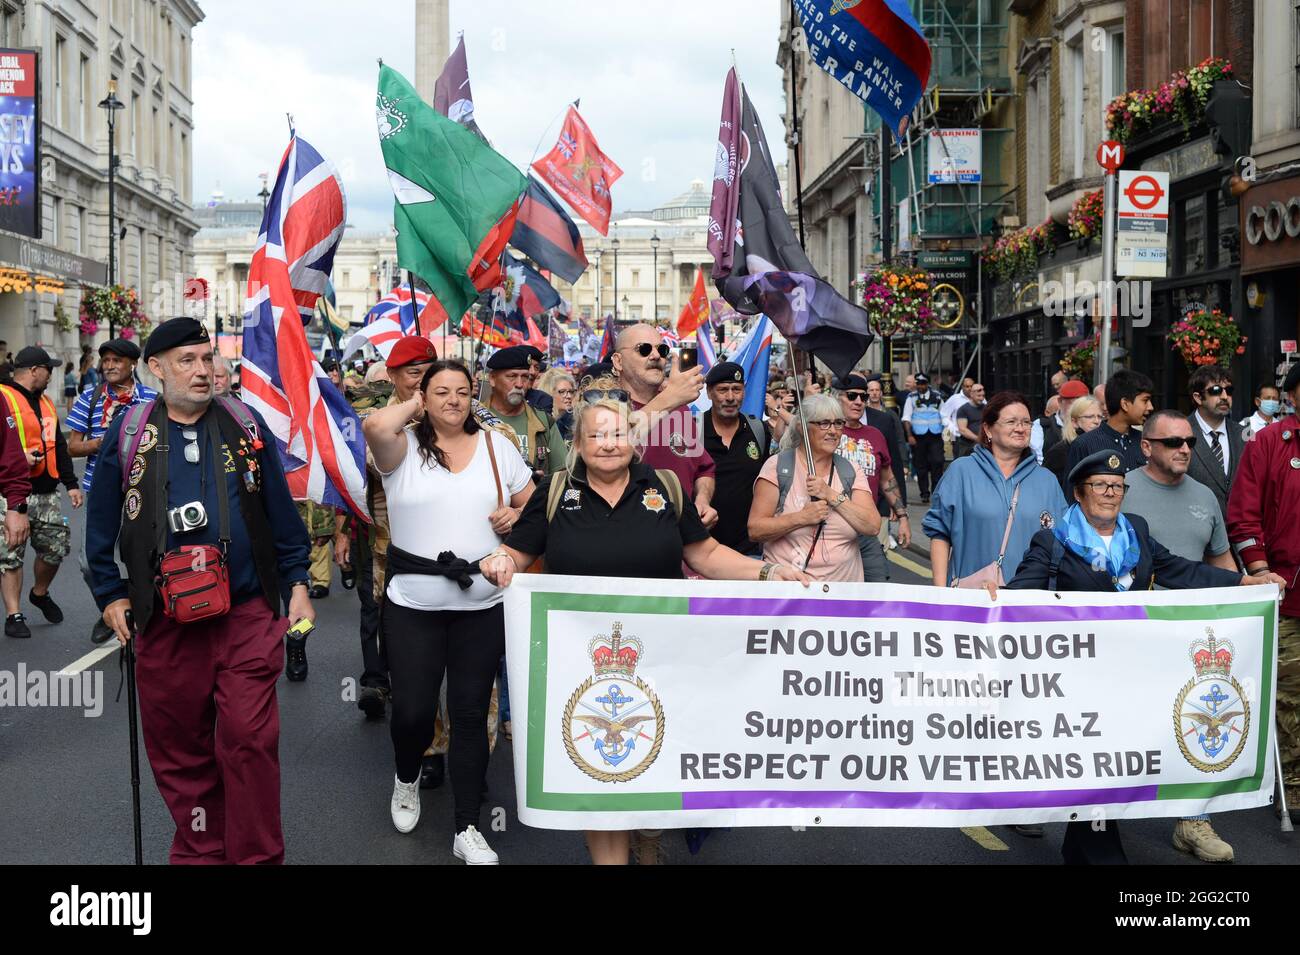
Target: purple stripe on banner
(764, 799)
(814, 607)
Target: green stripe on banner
(1267, 612)
(542, 604)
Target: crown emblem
(1211, 657)
(615, 655)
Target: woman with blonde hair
(813, 520)
(1085, 414)
(559, 384)
(620, 518)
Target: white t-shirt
(1127, 580)
(431, 510)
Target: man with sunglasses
(675, 439)
(1218, 446)
(1190, 526)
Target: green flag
(456, 197)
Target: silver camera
(187, 517)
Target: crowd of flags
(459, 205)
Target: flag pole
(542, 138)
(415, 316)
(794, 123)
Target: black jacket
(1206, 468)
(1156, 565)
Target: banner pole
(794, 122)
(1281, 786)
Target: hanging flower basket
(1016, 253)
(1207, 337)
(62, 320)
(113, 306)
(1085, 216)
(1182, 97)
(897, 300)
(1078, 361)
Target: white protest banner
(661, 704)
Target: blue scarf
(1082, 539)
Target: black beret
(1292, 379)
(121, 347)
(174, 333)
(599, 370)
(533, 352)
(329, 364)
(724, 371)
(34, 356)
(852, 381)
(509, 359)
(1105, 461)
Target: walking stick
(807, 442)
(128, 656)
(1281, 785)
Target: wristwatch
(844, 496)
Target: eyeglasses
(1090, 417)
(192, 449)
(829, 425)
(856, 395)
(1173, 444)
(1215, 390)
(1018, 423)
(645, 348)
(1104, 488)
(599, 394)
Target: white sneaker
(472, 849)
(405, 806)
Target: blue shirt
(104, 511)
(90, 421)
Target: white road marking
(91, 658)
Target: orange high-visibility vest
(36, 434)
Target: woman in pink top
(816, 527)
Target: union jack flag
(315, 429)
(567, 144)
(426, 317)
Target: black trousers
(1085, 845)
(421, 645)
(375, 668)
(927, 458)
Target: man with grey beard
(540, 441)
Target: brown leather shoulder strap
(492, 456)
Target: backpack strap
(673, 485)
(846, 470)
(559, 484)
(784, 477)
(128, 445)
(241, 413)
(1054, 568)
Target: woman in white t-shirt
(454, 491)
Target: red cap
(411, 350)
(1074, 388)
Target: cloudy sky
(649, 75)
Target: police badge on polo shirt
(652, 500)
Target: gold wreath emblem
(1182, 740)
(944, 302)
(601, 775)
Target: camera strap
(223, 489)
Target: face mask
(1269, 406)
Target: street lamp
(265, 194)
(654, 248)
(614, 245)
(110, 104)
(600, 282)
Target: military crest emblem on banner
(1211, 713)
(614, 723)
(391, 120)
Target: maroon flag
(725, 204)
(451, 93)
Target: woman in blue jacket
(968, 516)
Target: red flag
(696, 311)
(580, 172)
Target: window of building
(156, 158)
(1074, 110)
(1193, 235)
(85, 102)
(56, 231)
(60, 53)
(1112, 69)
(162, 261)
(10, 27)
(636, 278)
(634, 312)
(137, 139)
(82, 238)
(1038, 146)
(184, 185)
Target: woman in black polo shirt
(616, 519)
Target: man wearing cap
(739, 444)
(1264, 528)
(923, 420)
(1047, 429)
(208, 709)
(534, 396)
(538, 437)
(1096, 548)
(93, 412)
(49, 465)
